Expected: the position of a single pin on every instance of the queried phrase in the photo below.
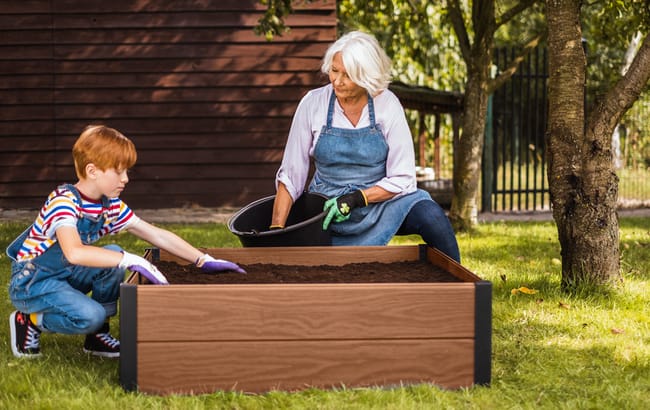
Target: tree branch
(513, 11)
(514, 65)
(626, 90)
(272, 24)
(458, 23)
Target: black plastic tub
(304, 226)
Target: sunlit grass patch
(551, 349)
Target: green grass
(550, 349)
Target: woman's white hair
(365, 61)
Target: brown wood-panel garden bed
(294, 332)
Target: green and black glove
(339, 208)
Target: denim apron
(351, 159)
(50, 285)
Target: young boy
(54, 265)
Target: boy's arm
(87, 255)
(165, 240)
(175, 245)
(94, 256)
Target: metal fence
(514, 161)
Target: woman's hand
(340, 208)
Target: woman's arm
(281, 207)
(400, 164)
(378, 194)
(307, 121)
(293, 172)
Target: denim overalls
(50, 285)
(351, 159)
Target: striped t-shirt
(63, 209)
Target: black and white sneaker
(102, 343)
(25, 336)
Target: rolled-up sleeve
(400, 164)
(294, 169)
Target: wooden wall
(206, 101)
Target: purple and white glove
(139, 264)
(208, 264)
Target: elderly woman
(356, 132)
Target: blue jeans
(61, 294)
(428, 220)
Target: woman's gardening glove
(208, 264)
(339, 208)
(139, 264)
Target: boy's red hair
(105, 147)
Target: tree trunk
(477, 55)
(468, 153)
(583, 184)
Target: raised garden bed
(255, 337)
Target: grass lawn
(550, 350)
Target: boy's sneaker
(25, 336)
(102, 343)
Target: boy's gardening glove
(208, 264)
(339, 208)
(139, 264)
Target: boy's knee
(90, 319)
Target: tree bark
(467, 154)
(477, 55)
(583, 184)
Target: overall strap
(72, 189)
(330, 110)
(105, 201)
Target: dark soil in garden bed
(369, 272)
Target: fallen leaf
(503, 277)
(617, 331)
(564, 305)
(540, 300)
(514, 291)
(556, 261)
(527, 291)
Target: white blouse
(308, 121)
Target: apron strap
(330, 111)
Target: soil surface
(371, 272)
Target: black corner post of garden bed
(128, 337)
(483, 334)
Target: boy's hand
(339, 208)
(139, 264)
(209, 264)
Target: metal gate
(514, 163)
